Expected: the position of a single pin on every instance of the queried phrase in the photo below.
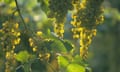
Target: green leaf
(75, 68)
(77, 59)
(54, 46)
(48, 32)
(22, 56)
(69, 46)
(62, 61)
(58, 46)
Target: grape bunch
(86, 36)
(89, 13)
(9, 38)
(87, 16)
(59, 29)
(59, 9)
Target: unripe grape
(86, 18)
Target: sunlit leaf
(22, 56)
(58, 46)
(75, 68)
(63, 62)
(77, 59)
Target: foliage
(32, 34)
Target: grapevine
(9, 39)
(87, 16)
(59, 10)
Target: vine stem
(18, 9)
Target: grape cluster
(59, 30)
(86, 18)
(59, 10)
(9, 38)
(86, 36)
(38, 46)
(10, 35)
(34, 41)
(89, 13)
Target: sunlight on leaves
(63, 62)
(22, 56)
(75, 68)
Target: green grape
(59, 10)
(86, 18)
(89, 13)
(8, 40)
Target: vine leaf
(55, 46)
(22, 56)
(63, 62)
(75, 68)
(78, 60)
(58, 46)
(69, 46)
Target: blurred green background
(105, 48)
